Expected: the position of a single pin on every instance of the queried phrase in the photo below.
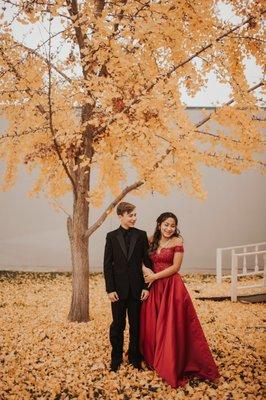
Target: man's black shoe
(115, 366)
(137, 365)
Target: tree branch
(48, 62)
(128, 189)
(111, 206)
(99, 4)
(209, 154)
(28, 132)
(248, 38)
(231, 158)
(87, 108)
(137, 184)
(204, 120)
(51, 120)
(58, 205)
(40, 108)
(74, 12)
(168, 74)
(219, 137)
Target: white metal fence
(237, 253)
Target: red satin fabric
(172, 341)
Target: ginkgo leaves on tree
(101, 89)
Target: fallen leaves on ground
(43, 356)
(205, 285)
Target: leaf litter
(44, 356)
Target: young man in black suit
(126, 250)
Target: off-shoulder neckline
(170, 247)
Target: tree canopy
(105, 86)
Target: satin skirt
(172, 341)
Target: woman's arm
(146, 271)
(173, 269)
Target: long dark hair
(157, 233)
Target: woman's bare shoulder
(178, 241)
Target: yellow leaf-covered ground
(42, 356)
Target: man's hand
(144, 294)
(150, 278)
(146, 271)
(113, 296)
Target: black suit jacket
(122, 271)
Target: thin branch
(11, 3)
(48, 62)
(263, 142)
(231, 158)
(204, 120)
(248, 38)
(59, 15)
(136, 185)
(227, 156)
(259, 119)
(52, 36)
(43, 11)
(57, 204)
(28, 132)
(39, 107)
(30, 51)
(137, 99)
(51, 118)
(19, 91)
(111, 206)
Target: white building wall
(33, 235)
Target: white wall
(33, 234)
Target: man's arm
(108, 266)
(146, 259)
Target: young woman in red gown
(172, 341)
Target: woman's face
(168, 228)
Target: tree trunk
(77, 228)
(79, 310)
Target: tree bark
(77, 226)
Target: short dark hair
(124, 207)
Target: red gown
(172, 341)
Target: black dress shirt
(127, 236)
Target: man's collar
(124, 230)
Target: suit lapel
(121, 241)
(133, 240)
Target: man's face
(128, 220)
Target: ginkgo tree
(103, 90)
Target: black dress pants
(120, 308)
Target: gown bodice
(165, 258)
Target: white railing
(251, 250)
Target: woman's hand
(150, 278)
